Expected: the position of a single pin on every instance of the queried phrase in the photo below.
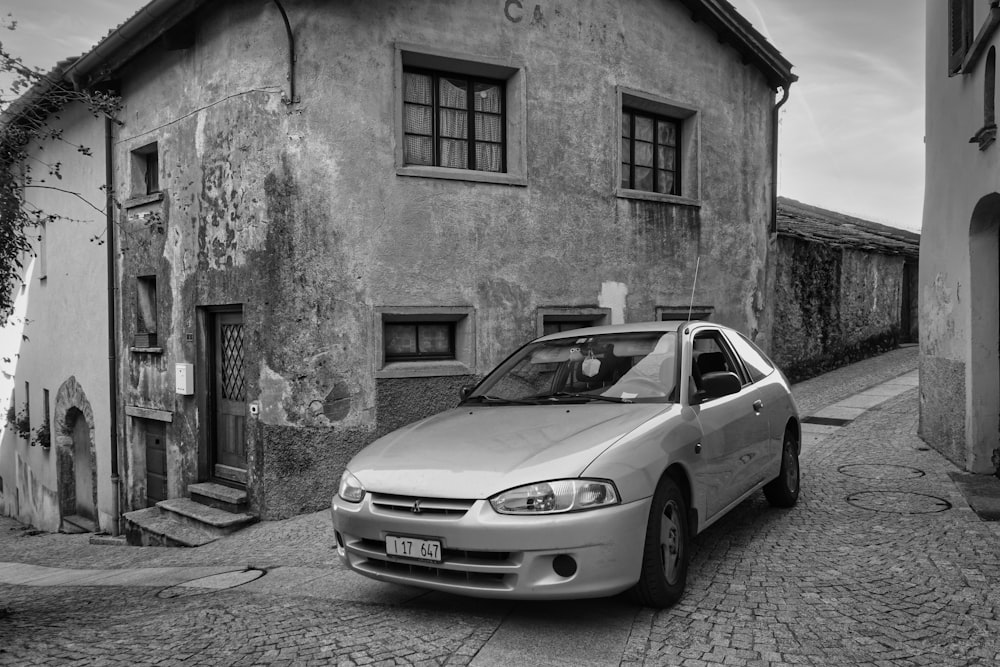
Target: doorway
(228, 404)
(983, 354)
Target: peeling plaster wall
(959, 247)
(833, 306)
(297, 213)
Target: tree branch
(69, 192)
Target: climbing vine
(30, 102)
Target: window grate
(233, 387)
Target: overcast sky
(851, 132)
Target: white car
(580, 467)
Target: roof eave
(127, 40)
(756, 50)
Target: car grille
(487, 570)
(428, 507)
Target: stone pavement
(882, 562)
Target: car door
(775, 402)
(734, 431)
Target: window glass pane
(489, 157)
(487, 97)
(643, 128)
(644, 179)
(435, 339)
(665, 182)
(417, 88)
(643, 154)
(755, 361)
(626, 124)
(488, 127)
(418, 150)
(454, 124)
(453, 93)
(665, 157)
(418, 119)
(666, 133)
(454, 154)
(400, 339)
(626, 150)
(625, 176)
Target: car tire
(783, 491)
(665, 550)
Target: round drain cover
(880, 471)
(898, 502)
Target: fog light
(564, 566)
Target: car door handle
(758, 406)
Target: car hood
(477, 451)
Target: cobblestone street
(882, 562)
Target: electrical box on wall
(184, 379)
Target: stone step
(219, 521)
(78, 524)
(219, 496)
(152, 527)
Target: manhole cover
(898, 502)
(213, 582)
(880, 471)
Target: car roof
(665, 326)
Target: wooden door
(156, 462)
(229, 393)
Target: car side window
(757, 364)
(711, 354)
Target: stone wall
(833, 306)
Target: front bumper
(491, 555)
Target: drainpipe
(112, 326)
(291, 99)
(774, 160)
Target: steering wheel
(640, 387)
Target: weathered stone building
(845, 289)
(960, 241)
(331, 223)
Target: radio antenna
(693, 285)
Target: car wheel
(783, 491)
(665, 551)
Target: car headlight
(350, 488)
(564, 495)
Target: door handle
(758, 406)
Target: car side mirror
(717, 385)
(465, 390)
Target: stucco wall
(298, 213)
(959, 326)
(62, 316)
(833, 306)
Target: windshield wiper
(498, 400)
(587, 397)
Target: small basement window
(424, 341)
(559, 319)
(414, 341)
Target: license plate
(413, 547)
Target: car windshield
(634, 367)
